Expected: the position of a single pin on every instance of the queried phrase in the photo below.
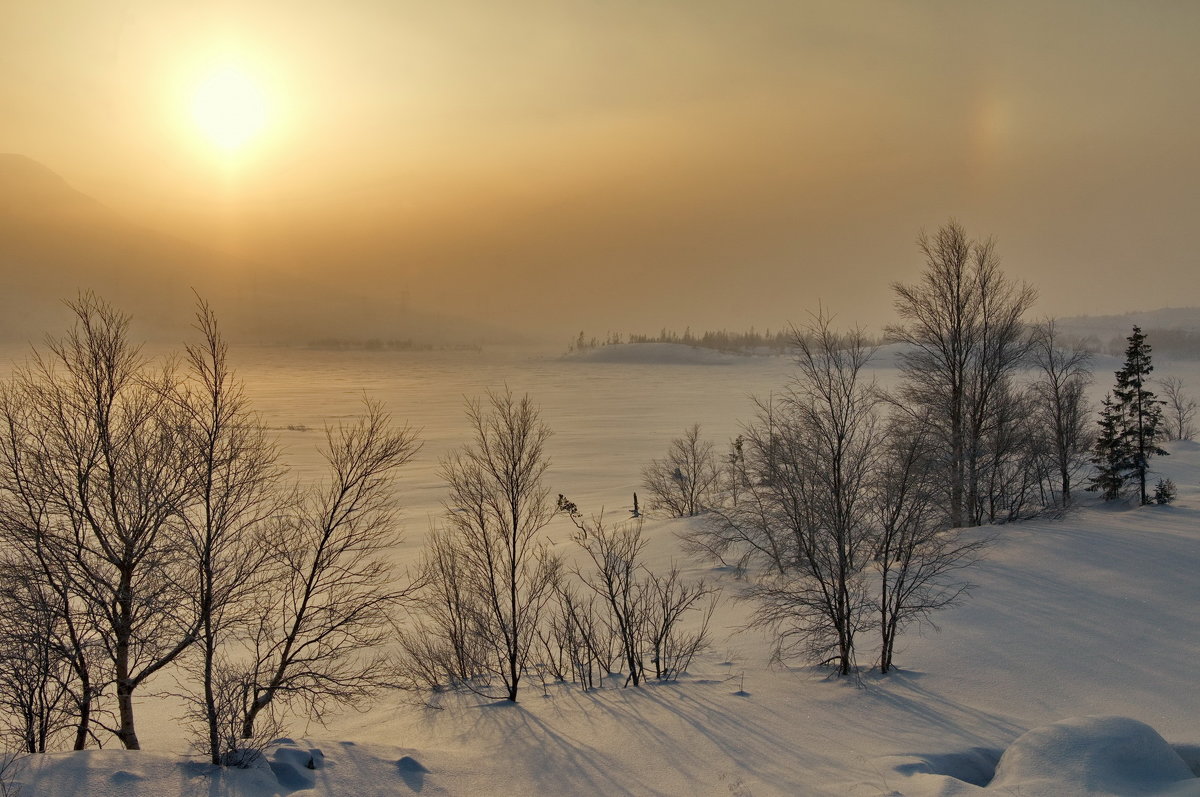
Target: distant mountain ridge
(56, 241)
(27, 187)
(1187, 318)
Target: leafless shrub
(37, 683)
(644, 609)
(1180, 410)
(686, 481)
(577, 640)
(443, 645)
(668, 600)
(232, 693)
(496, 510)
(614, 551)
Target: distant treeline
(1174, 343)
(378, 344)
(752, 341)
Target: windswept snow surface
(1092, 615)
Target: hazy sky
(637, 164)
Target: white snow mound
(1093, 756)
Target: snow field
(1092, 615)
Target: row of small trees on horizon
(750, 341)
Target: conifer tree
(1130, 423)
(1110, 457)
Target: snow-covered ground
(1091, 615)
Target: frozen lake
(609, 419)
(610, 414)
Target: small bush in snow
(1164, 492)
(684, 484)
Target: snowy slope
(1090, 615)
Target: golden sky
(636, 164)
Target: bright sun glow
(229, 108)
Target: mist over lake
(609, 419)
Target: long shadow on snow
(573, 767)
(656, 715)
(909, 701)
(648, 720)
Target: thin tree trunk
(210, 701)
(515, 646)
(126, 731)
(1066, 482)
(83, 726)
(248, 723)
(957, 454)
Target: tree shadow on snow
(684, 728)
(902, 691)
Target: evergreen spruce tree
(1110, 455)
(1130, 425)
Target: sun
(229, 108)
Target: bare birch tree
(1062, 410)
(332, 590)
(915, 554)
(803, 526)
(495, 513)
(963, 324)
(237, 494)
(96, 461)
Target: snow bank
(1084, 756)
(290, 767)
(138, 773)
(1094, 755)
